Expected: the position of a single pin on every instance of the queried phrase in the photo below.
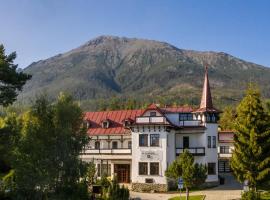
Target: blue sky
(38, 29)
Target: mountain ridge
(145, 69)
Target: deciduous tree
(192, 173)
(47, 163)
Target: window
(185, 117)
(154, 140)
(143, 140)
(126, 123)
(214, 141)
(224, 149)
(154, 168)
(143, 168)
(115, 145)
(97, 145)
(213, 118)
(153, 114)
(103, 170)
(209, 142)
(105, 124)
(129, 144)
(208, 118)
(185, 142)
(211, 168)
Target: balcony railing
(190, 123)
(149, 120)
(123, 151)
(225, 155)
(196, 151)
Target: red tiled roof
(117, 118)
(116, 121)
(184, 109)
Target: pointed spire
(206, 101)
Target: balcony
(225, 155)
(190, 123)
(151, 120)
(195, 151)
(123, 151)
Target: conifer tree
(251, 157)
(11, 80)
(227, 118)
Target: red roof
(184, 109)
(116, 119)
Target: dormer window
(126, 123)
(87, 124)
(105, 124)
(153, 114)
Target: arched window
(105, 124)
(213, 118)
(208, 118)
(97, 145)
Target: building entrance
(122, 172)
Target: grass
(265, 195)
(195, 197)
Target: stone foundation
(149, 187)
(210, 184)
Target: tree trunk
(187, 193)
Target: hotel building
(137, 146)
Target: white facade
(198, 136)
(151, 140)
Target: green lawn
(265, 195)
(195, 197)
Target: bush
(117, 193)
(251, 195)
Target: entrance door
(224, 166)
(185, 142)
(122, 172)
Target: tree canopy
(11, 80)
(193, 174)
(46, 161)
(251, 157)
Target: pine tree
(11, 80)
(251, 157)
(227, 118)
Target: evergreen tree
(11, 80)
(227, 119)
(192, 173)
(251, 157)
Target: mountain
(142, 69)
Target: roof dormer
(87, 124)
(127, 122)
(105, 123)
